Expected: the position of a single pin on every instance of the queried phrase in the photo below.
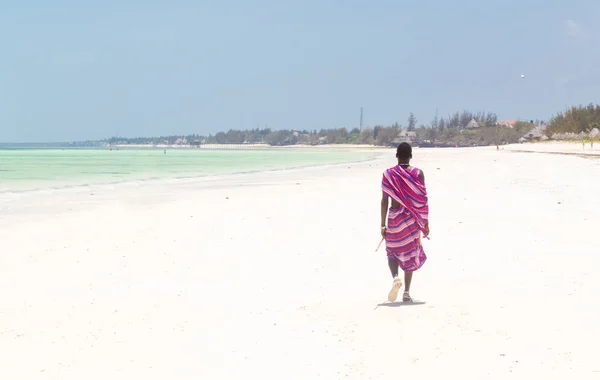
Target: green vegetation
(449, 131)
(463, 128)
(575, 120)
(482, 136)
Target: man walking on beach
(408, 218)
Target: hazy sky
(74, 70)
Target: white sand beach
(274, 275)
(566, 147)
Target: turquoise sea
(24, 169)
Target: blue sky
(73, 70)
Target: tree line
(575, 120)
(443, 131)
(378, 135)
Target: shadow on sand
(399, 304)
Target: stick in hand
(379, 245)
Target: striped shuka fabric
(405, 224)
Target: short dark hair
(404, 151)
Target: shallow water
(23, 169)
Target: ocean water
(26, 169)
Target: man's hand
(426, 233)
(383, 231)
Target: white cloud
(561, 82)
(574, 30)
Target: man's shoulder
(390, 170)
(420, 174)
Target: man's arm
(384, 208)
(422, 175)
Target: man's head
(404, 152)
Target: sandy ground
(275, 276)
(574, 148)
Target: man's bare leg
(393, 264)
(393, 294)
(407, 280)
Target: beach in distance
(140, 264)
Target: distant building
(472, 124)
(538, 132)
(405, 136)
(507, 123)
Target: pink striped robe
(403, 237)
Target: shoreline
(17, 206)
(557, 148)
(198, 178)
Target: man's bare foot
(406, 297)
(393, 294)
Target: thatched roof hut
(472, 124)
(538, 132)
(405, 136)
